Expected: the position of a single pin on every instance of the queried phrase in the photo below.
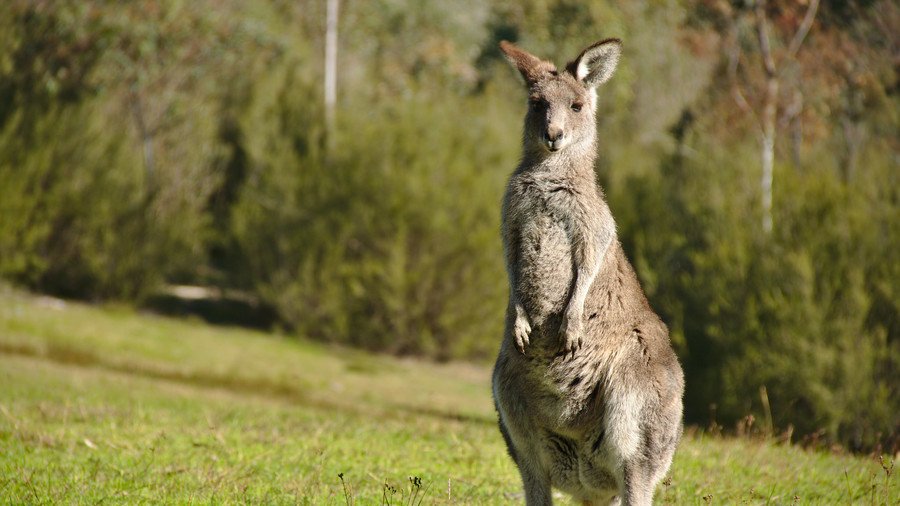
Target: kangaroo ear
(531, 67)
(596, 64)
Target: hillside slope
(103, 404)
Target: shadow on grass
(214, 308)
(292, 393)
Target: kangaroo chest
(549, 216)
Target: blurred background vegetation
(151, 143)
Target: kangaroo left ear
(596, 64)
(531, 67)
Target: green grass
(104, 404)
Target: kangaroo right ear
(596, 64)
(531, 67)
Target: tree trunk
(794, 122)
(852, 131)
(767, 122)
(768, 150)
(852, 128)
(331, 33)
(146, 141)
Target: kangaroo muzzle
(553, 138)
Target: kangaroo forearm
(511, 250)
(587, 269)
(584, 280)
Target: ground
(106, 404)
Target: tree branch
(762, 33)
(734, 59)
(803, 30)
(737, 93)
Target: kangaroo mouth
(553, 146)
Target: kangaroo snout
(553, 138)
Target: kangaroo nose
(554, 134)
(553, 138)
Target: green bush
(106, 155)
(73, 220)
(391, 242)
(800, 312)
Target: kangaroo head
(562, 105)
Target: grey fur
(586, 384)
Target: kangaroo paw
(522, 329)
(571, 332)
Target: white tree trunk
(768, 155)
(768, 150)
(331, 33)
(767, 122)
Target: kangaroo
(587, 387)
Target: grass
(107, 405)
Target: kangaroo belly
(545, 267)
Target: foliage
(792, 313)
(107, 143)
(390, 242)
(74, 238)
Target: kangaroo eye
(576, 106)
(534, 103)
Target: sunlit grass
(109, 405)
